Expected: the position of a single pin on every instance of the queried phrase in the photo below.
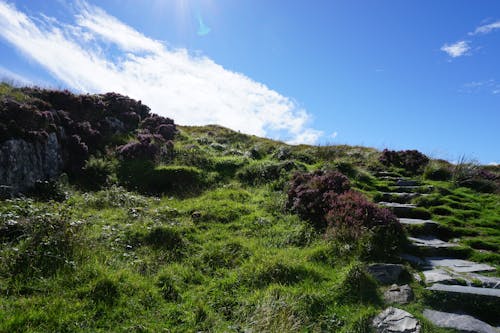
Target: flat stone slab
(443, 276)
(458, 265)
(430, 242)
(425, 223)
(406, 182)
(385, 273)
(394, 320)
(412, 189)
(397, 205)
(439, 276)
(466, 290)
(460, 322)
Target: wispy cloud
(457, 49)
(474, 87)
(486, 28)
(193, 90)
(8, 75)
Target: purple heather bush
(412, 161)
(351, 214)
(324, 198)
(310, 194)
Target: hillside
(114, 219)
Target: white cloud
(8, 75)
(457, 49)
(193, 90)
(334, 135)
(485, 29)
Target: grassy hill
(203, 232)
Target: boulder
(399, 294)
(386, 273)
(459, 322)
(394, 320)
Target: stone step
(430, 242)
(406, 210)
(444, 276)
(482, 303)
(386, 174)
(457, 265)
(459, 322)
(406, 182)
(466, 290)
(412, 189)
(399, 197)
(428, 224)
(431, 246)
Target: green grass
(223, 257)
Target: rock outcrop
(22, 163)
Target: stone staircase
(453, 284)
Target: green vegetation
(202, 240)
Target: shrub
(105, 291)
(412, 161)
(164, 238)
(46, 190)
(262, 172)
(147, 147)
(351, 216)
(96, 173)
(310, 194)
(358, 286)
(437, 172)
(114, 196)
(167, 287)
(178, 179)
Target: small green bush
(143, 176)
(167, 287)
(357, 286)
(105, 291)
(114, 197)
(177, 179)
(96, 174)
(262, 172)
(435, 171)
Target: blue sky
(386, 74)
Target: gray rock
(398, 196)
(424, 223)
(458, 265)
(450, 277)
(22, 163)
(460, 322)
(399, 294)
(393, 320)
(414, 259)
(439, 276)
(466, 290)
(386, 273)
(406, 182)
(430, 242)
(396, 205)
